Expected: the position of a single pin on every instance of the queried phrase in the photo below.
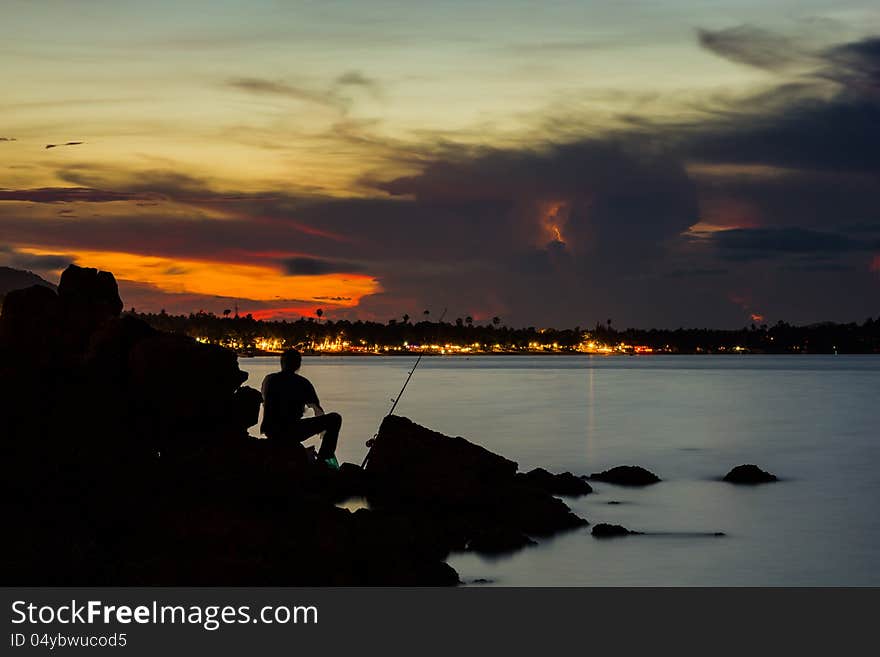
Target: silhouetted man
(285, 397)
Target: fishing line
(372, 441)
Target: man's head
(290, 360)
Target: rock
(89, 298)
(626, 475)
(109, 348)
(461, 491)
(416, 463)
(350, 481)
(534, 511)
(90, 292)
(18, 279)
(30, 323)
(245, 411)
(605, 530)
(177, 381)
(749, 474)
(559, 484)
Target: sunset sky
(659, 163)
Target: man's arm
(313, 402)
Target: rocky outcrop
(626, 475)
(605, 530)
(30, 324)
(418, 464)
(466, 496)
(565, 484)
(90, 294)
(18, 279)
(749, 474)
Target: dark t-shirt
(285, 395)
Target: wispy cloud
(335, 95)
(755, 46)
(71, 195)
(67, 143)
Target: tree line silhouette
(246, 333)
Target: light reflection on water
(810, 419)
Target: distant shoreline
(249, 336)
(416, 354)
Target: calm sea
(812, 420)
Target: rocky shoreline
(127, 461)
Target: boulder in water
(626, 475)
(749, 474)
(459, 492)
(416, 463)
(555, 484)
(605, 530)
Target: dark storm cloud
(756, 243)
(813, 134)
(612, 187)
(856, 64)
(307, 266)
(807, 125)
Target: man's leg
(331, 436)
(330, 423)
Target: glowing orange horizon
(225, 279)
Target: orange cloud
(211, 278)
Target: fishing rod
(372, 441)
